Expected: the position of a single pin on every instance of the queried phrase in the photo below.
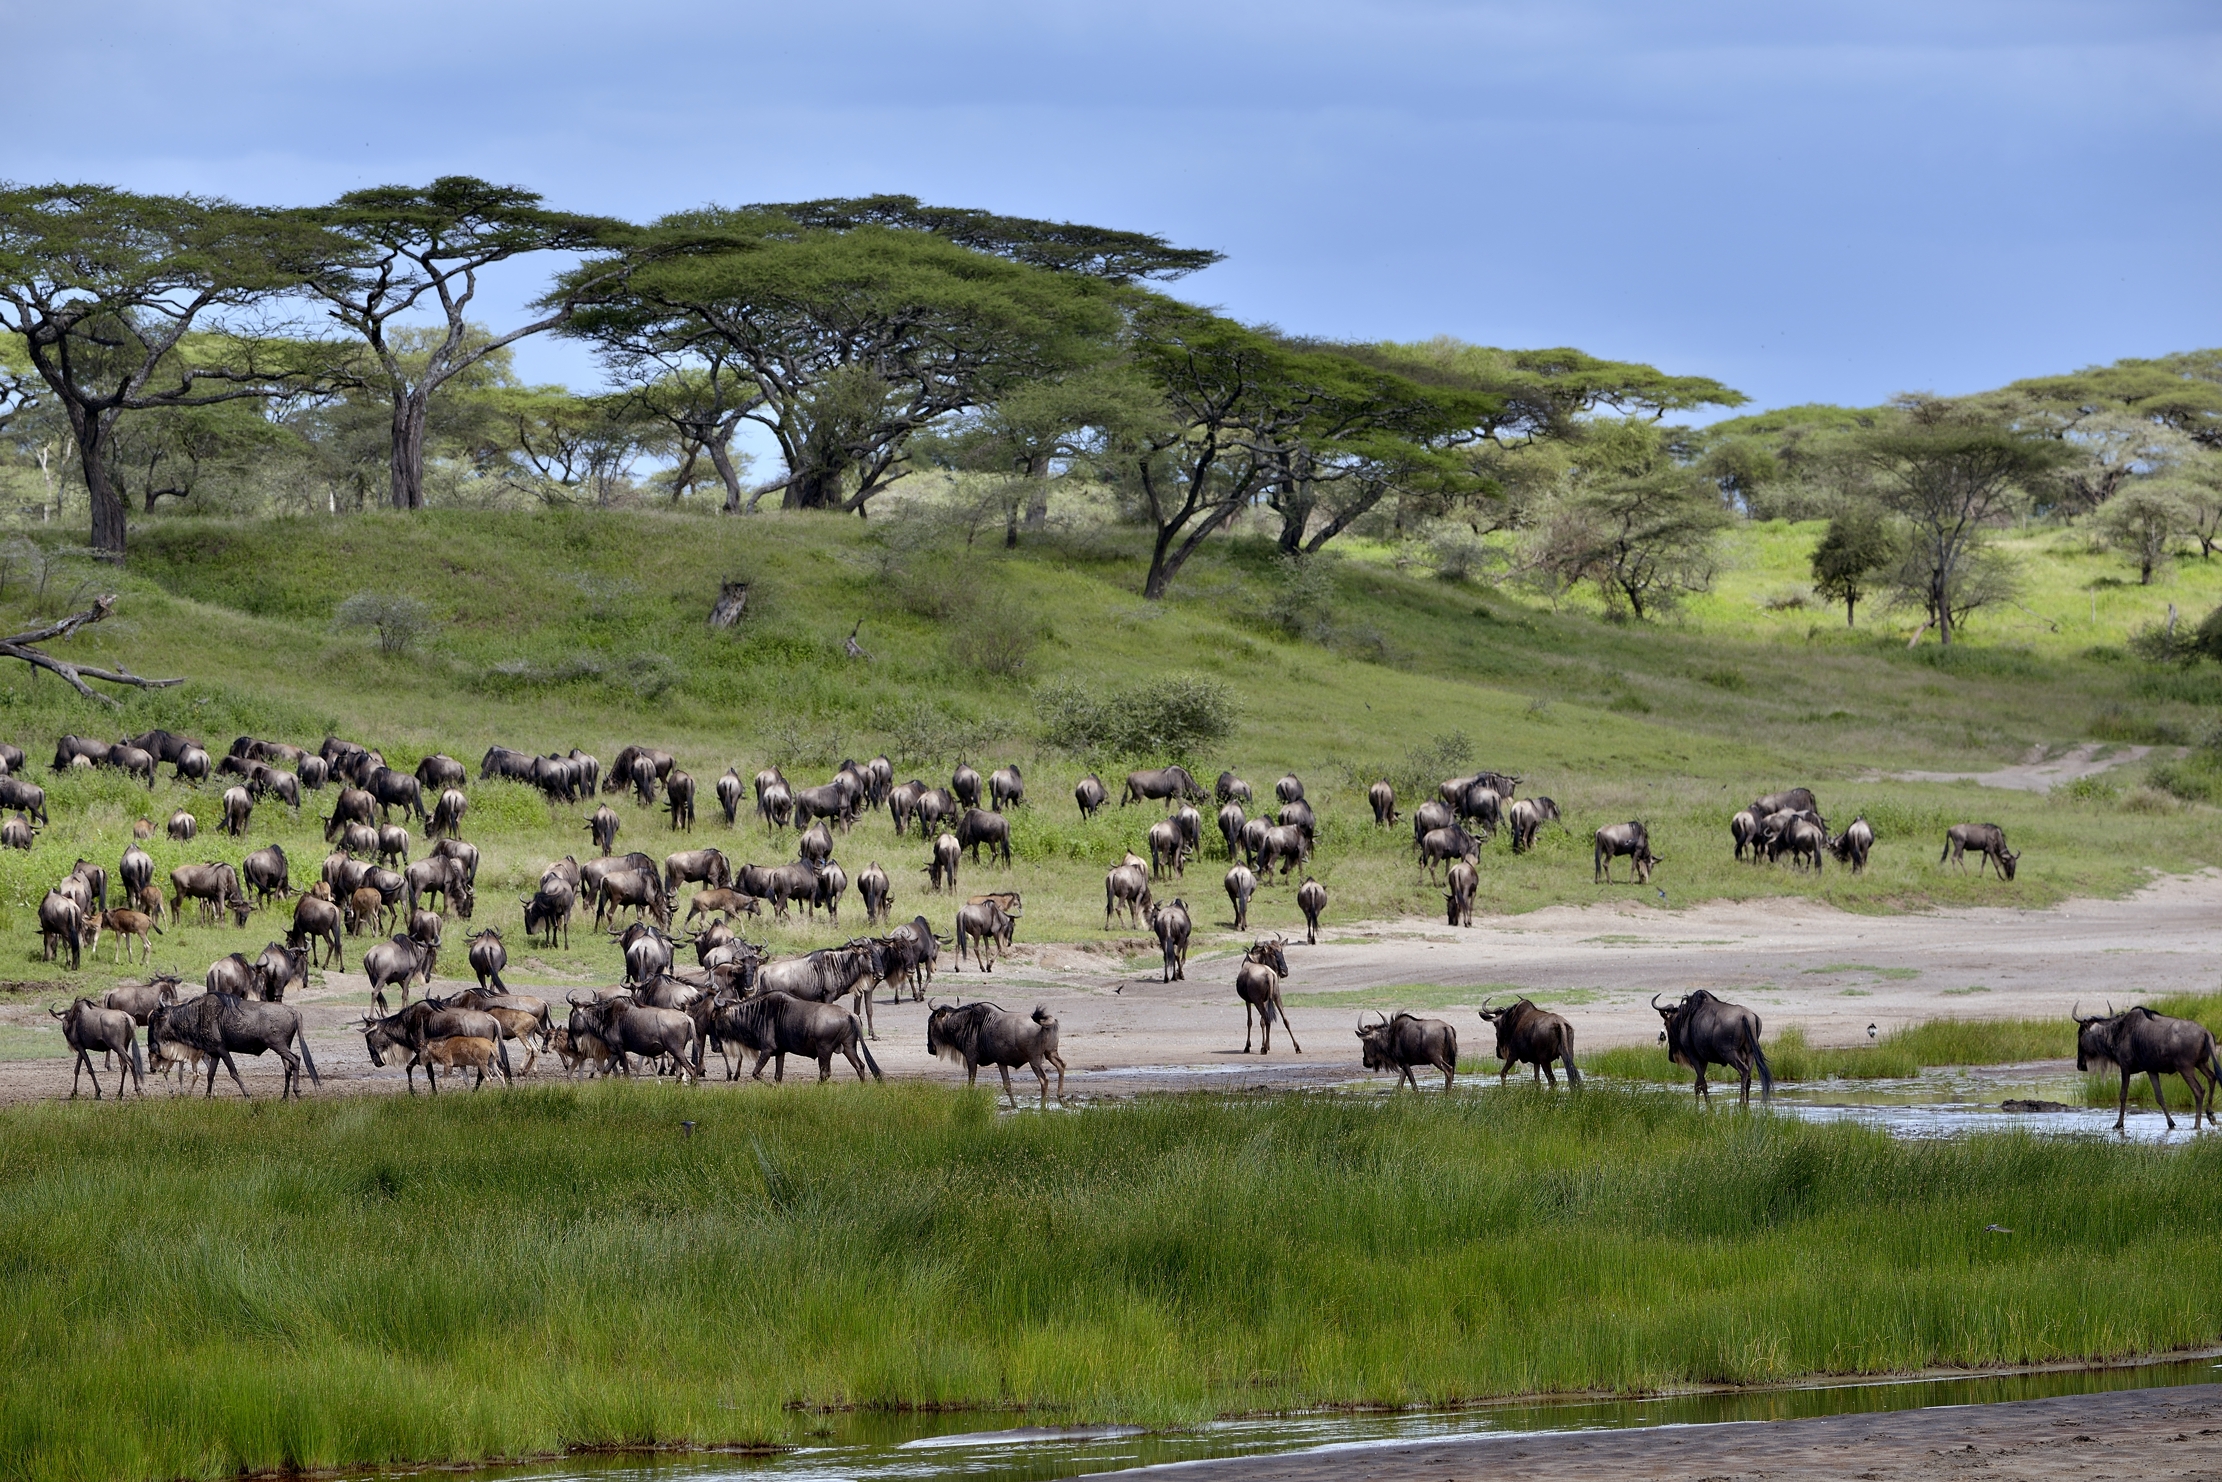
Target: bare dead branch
(20, 646)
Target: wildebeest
(1406, 1041)
(602, 828)
(15, 793)
(679, 798)
(1163, 784)
(1702, 1030)
(934, 805)
(1241, 885)
(1527, 1035)
(1311, 899)
(1230, 789)
(442, 876)
(941, 868)
(194, 766)
(1743, 829)
(1126, 885)
(1257, 982)
(235, 975)
(630, 1028)
(133, 761)
(214, 884)
(1290, 789)
(367, 911)
(17, 833)
(393, 844)
(638, 891)
(69, 748)
(1446, 844)
(86, 1027)
(1172, 926)
(1190, 823)
(1253, 838)
(1526, 818)
(1795, 800)
(167, 746)
(1005, 785)
(548, 910)
(730, 790)
(991, 829)
(815, 844)
(2138, 1042)
(915, 951)
(238, 806)
(393, 790)
(1464, 881)
(440, 771)
(267, 873)
(877, 891)
(1383, 798)
(447, 815)
(398, 961)
(964, 783)
(1089, 793)
(280, 967)
(134, 870)
(428, 1022)
(1430, 816)
(1168, 852)
(140, 1000)
(217, 1024)
(986, 924)
(1483, 804)
(708, 866)
(1288, 846)
(1854, 844)
(126, 925)
(775, 1025)
(1631, 839)
(1231, 823)
(1802, 839)
(1986, 839)
(982, 1033)
(353, 805)
(830, 801)
(316, 920)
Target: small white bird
(1870, 1031)
(1997, 1230)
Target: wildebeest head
(2095, 1038)
(1373, 1043)
(1269, 954)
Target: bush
(1456, 553)
(1174, 716)
(995, 636)
(1303, 600)
(400, 622)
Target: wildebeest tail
(865, 1045)
(501, 1050)
(301, 1037)
(1266, 1010)
(1766, 1074)
(1566, 1055)
(138, 1061)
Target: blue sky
(1809, 202)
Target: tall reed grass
(197, 1289)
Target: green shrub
(1175, 716)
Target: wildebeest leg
(1282, 1009)
(1504, 1071)
(1704, 1092)
(1450, 1073)
(1005, 1072)
(84, 1063)
(2122, 1112)
(1549, 1075)
(291, 1086)
(2152, 1078)
(231, 1065)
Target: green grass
(200, 1289)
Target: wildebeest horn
(57, 1013)
(1655, 1003)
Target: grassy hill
(577, 627)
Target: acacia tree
(1853, 554)
(411, 249)
(127, 303)
(2144, 520)
(1640, 522)
(702, 400)
(1951, 472)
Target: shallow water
(926, 1448)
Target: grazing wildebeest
(1290, 789)
(317, 920)
(965, 784)
(679, 798)
(214, 884)
(815, 844)
(31, 799)
(1164, 784)
(1383, 798)
(1446, 844)
(393, 790)
(442, 876)
(707, 866)
(775, 1025)
(934, 805)
(235, 975)
(439, 770)
(877, 891)
(1743, 828)
(1126, 885)
(941, 870)
(548, 910)
(360, 840)
(1168, 854)
(1853, 845)
(830, 801)
(217, 1024)
(167, 746)
(1484, 804)
(1288, 846)
(1702, 1030)
(1527, 1035)
(193, 766)
(86, 1027)
(353, 805)
(1089, 793)
(1253, 839)
(1463, 882)
(1527, 817)
(1191, 826)
(775, 804)
(69, 748)
(393, 844)
(1231, 823)
(133, 761)
(1257, 982)
(991, 829)
(268, 873)
(1230, 789)
(1172, 926)
(986, 924)
(1241, 885)
(1406, 1041)
(1430, 816)
(601, 826)
(2140, 1042)
(1311, 899)
(1802, 839)
(728, 903)
(1796, 800)
(447, 815)
(1631, 839)
(399, 960)
(238, 806)
(280, 967)
(1987, 839)
(638, 891)
(1005, 785)
(625, 769)
(17, 833)
(730, 790)
(982, 1033)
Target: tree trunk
(814, 488)
(1037, 496)
(109, 514)
(721, 458)
(409, 413)
(1851, 600)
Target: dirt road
(1797, 962)
(2137, 1435)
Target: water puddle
(2046, 1099)
(868, 1447)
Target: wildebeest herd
(737, 1000)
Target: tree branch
(20, 646)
